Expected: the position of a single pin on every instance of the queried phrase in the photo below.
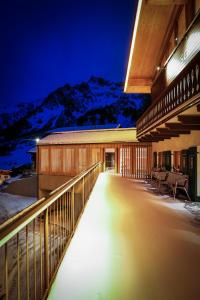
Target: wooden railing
(186, 87)
(33, 242)
(179, 80)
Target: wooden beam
(198, 107)
(149, 138)
(165, 135)
(189, 119)
(139, 85)
(137, 89)
(181, 127)
(166, 2)
(140, 81)
(172, 131)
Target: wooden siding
(136, 161)
(68, 160)
(154, 40)
(181, 58)
(197, 5)
(44, 160)
(131, 160)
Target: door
(184, 162)
(192, 172)
(155, 163)
(110, 160)
(167, 160)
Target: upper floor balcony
(177, 85)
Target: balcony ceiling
(152, 25)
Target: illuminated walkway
(130, 245)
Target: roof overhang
(153, 23)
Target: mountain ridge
(96, 101)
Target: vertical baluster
(6, 271)
(62, 219)
(65, 216)
(41, 260)
(83, 192)
(72, 207)
(46, 247)
(18, 269)
(27, 264)
(50, 241)
(57, 230)
(54, 224)
(34, 261)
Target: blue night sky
(48, 43)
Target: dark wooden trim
(182, 127)
(189, 119)
(173, 131)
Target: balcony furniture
(182, 184)
(160, 177)
(175, 181)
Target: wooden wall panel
(69, 160)
(82, 159)
(56, 158)
(95, 155)
(44, 160)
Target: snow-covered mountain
(93, 102)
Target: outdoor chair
(177, 181)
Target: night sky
(48, 43)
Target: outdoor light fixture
(158, 68)
(37, 140)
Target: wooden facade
(131, 159)
(172, 121)
(63, 155)
(159, 28)
(56, 164)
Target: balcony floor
(131, 244)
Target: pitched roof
(84, 127)
(91, 136)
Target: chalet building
(164, 61)
(113, 237)
(63, 155)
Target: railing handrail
(13, 225)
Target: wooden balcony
(177, 86)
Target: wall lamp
(158, 68)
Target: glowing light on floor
(91, 248)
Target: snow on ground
(181, 206)
(12, 204)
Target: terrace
(130, 244)
(101, 236)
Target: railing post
(46, 248)
(72, 206)
(83, 192)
